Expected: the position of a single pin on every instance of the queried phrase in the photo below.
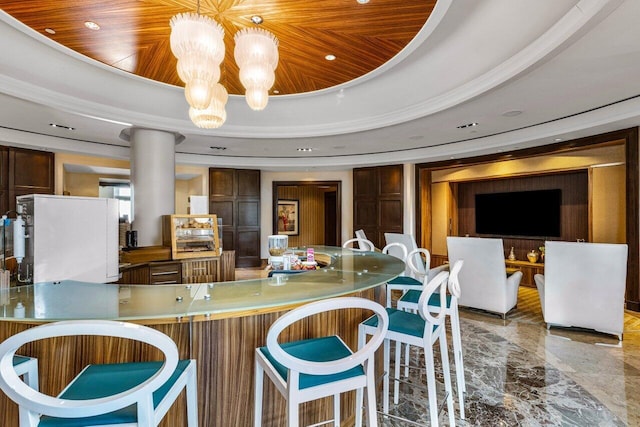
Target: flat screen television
(519, 213)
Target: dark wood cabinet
(234, 196)
(190, 270)
(23, 172)
(378, 201)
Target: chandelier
(197, 41)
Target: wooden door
(234, 195)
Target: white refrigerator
(68, 238)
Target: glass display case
(192, 236)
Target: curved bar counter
(218, 324)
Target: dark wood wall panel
(234, 195)
(378, 201)
(574, 210)
(221, 182)
(23, 172)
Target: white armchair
(583, 285)
(483, 280)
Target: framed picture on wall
(288, 217)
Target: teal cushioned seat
(413, 296)
(402, 322)
(20, 359)
(98, 381)
(405, 280)
(323, 349)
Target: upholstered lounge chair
(583, 285)
(483, 280)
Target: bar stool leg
(336, 410)
(385, 381)
(372, 417)
(446, 373)
(396, 382)
(431, 384)
(459, 363)
(257, 406)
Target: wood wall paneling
(632, 208)
(221, 182)
(378, 201)
(630, 139)
(389, 181)
(234, 195)
(574, 208)
(312, 215)
(24, 172)
(224, 353)
(4, 180)
(248, 213)
(247, 180)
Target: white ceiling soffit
(472, 62)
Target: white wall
(266, 199)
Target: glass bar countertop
(347, 272)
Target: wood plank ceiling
(134, 34)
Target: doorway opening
(309, 212)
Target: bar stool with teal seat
(318, 367)
(422, 330)
(409, 302)
(131, 394)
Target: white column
(153, 177)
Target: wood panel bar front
(224, 350)
(223, 344)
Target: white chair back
(437, 284)
(397, 250)
(360, 234)
(326, 368)
(364, 245)
(39, 403)
(410, 242)
(584, 285)
(483, 280)
(419, 261)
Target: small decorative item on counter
(310, 255)
(303, 265)
(541, 248)
(512, 255)
(532, 256)
(278, 244)
(18, 311)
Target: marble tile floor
(520, 374)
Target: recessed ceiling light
(49, 30)
(467, 125)
(276, 91)
(92, 25)
(256, 19)
(308, 149)
(363, 1)
(558, 139)
(55, 125)
(330, 57)
(512, 113)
